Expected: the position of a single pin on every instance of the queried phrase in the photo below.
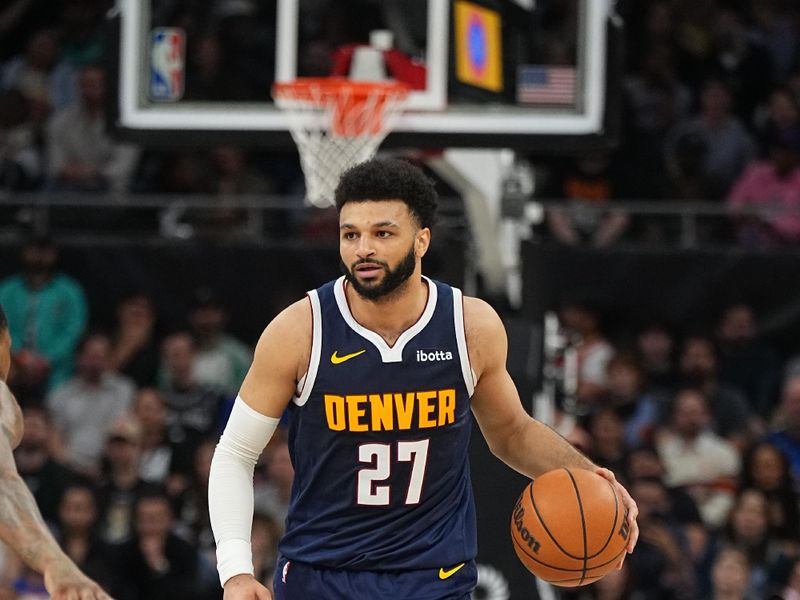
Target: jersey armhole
(461, 340)
(306, 383)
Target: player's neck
(390, 316)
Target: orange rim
(356, 107)
(321, 89)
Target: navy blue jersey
(379, 438)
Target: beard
(392, 279)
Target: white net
(337, 124)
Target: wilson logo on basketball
(624, 528)
(524, 534)
(433, 355)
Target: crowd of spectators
(121, 420)
(711, 113)
(55, 101)
(704, 429)
(710, 98)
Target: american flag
(543, 84)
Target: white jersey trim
(461, 340)
(306, 383)
(389, 354)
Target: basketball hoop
(337, 123)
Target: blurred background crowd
(122, 413)
(710, 113)
(710, 105)
(121, 420)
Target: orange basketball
(569, 527)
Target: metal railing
(260, 217)
(686, 216)
(147, 217)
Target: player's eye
(349, 235)
(384, 234)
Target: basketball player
(382, 371)
(21, 524)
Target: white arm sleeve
(230, 487)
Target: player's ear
(422, 242)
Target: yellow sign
(478, 46)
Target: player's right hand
(245, 587)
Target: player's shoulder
(480, 317)
(481, 321)
(297, 311)
(280, 359)
(485, 334)
(291, 322)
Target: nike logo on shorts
(449, 572)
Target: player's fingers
(94, 593)
(630, 506)
(606, 474)
(634, 534)
(621, 561)
(67, 594)
(101, 595)
(633, 513)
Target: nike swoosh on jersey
(445, 574)
(337, 360)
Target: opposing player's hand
(65, 582)
(245, 587)
(630, 507)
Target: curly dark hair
(389, 179)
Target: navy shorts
(302, 581)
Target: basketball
(569, 528)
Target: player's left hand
(630, 507)
(65, 582)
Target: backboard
(484, 73)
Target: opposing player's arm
(10, 416)
(280, 359)
(10, 413)
(21, 525)
(516, 438)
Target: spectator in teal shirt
(47, 313)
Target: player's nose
(365, 247)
